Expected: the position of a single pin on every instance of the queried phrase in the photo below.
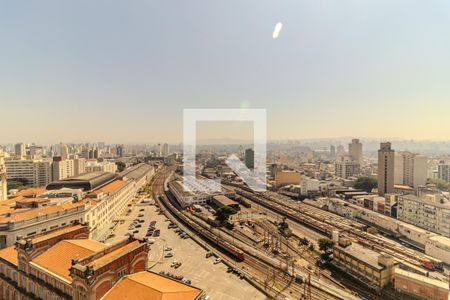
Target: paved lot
(212, 278)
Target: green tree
(325, 244)
(365, 183)
(120, 166)
(224, 213)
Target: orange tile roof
(30, 192)
(116, 253)
(58, 259)
(10, 254)
(40, 212)
(56, 232)
(110, 187)
(147, 285)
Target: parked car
(168, 254)
(217, 260)
(168, 249)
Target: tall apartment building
(444, 171)
(410, 169)
(20, 151)
(79, 166)
(355, 151)
(428, 211)
(37, 173)
(165, 150)
(3, 184)
(62, 168)
(250, 158)
(386, 166)
(345, 167)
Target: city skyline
(352, 69)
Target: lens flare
(277, 30)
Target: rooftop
(10, 255)
(109, 188)
(363, 254)
(422, 279)
(148, 285)
(114, 254)
(58, 259)
(86, 181)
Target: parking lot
(203, 273)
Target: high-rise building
(165, 150)
(340, 151)
(250, 158)
(62, 168)
(410, 169)
(332, 151)
(79, 166)
(3, 184)
(19, 150)
(386, 166)
(444, 171)
(355, 150)
(36, 173)
(119, 151)
(345, 167)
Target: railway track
(327, 222)
(223, 242)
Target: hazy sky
(122, 71)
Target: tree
(366, 184)
(325, 244)
(17, 184)
(224, 213)
(120, 166)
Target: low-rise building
(374, 269)
(189, 192)
(430, 211)
(148, 285)
(63, 264)
(420, 287)
(284, 177)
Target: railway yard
(281, 266)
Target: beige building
(283, 178)
(421, 287)
(429, 211)
(374, 269)
(386, 166)
(355, 151)
(79, 166)
(410, 169)
(345, 167)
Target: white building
(37, 173)
(308, 185)
(104, 166)
(3, 184)
(62, 168)
(430, 211)
(410, 169)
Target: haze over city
(225, 150)
(123, 72)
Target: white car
(217, 260)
